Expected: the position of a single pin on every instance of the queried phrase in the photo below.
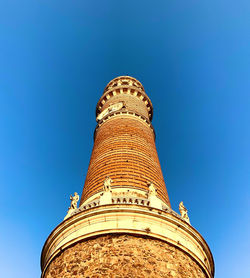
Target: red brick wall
(125, 150)
(124, 146)
(132, 103)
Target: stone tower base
(123, 256)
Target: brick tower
(124, 225)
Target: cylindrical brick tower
(124, 225)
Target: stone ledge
(135, 91)
(124, 200)
(131, 220)
(124, 113)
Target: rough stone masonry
(120, 256)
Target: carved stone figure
(154, 201)
(107, 184)
(184, 212)
(106, 196)
(151, 189)
(74, 200)
(73, 206)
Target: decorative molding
(132, 86)
(124, 113)
(124, 218)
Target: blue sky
(193, 58)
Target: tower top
(123, 78)
(126, 85)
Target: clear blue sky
(193, 58)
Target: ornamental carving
(184, 212)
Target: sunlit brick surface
(132, 103)
(124, 146)
(111, 239)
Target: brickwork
(123, 256)
(132, 103)
(124, 146)
(126, 86)
(124, 80)
(125, 150)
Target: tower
(124, 225)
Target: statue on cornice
(151, 189)
(107, 184)
(74, 200)
(73, 205)
(184, 212)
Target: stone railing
(120, 200)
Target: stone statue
(154, 201)
(73, 206)
(184, 212)
(74, 200)
(107, 184)
(106, 196)
(151, 189)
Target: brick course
(125, 150)
(132, 103)
(124, 146)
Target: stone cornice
(124, 113)
(124, 77)
(132, 219)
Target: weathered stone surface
(121, 256)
